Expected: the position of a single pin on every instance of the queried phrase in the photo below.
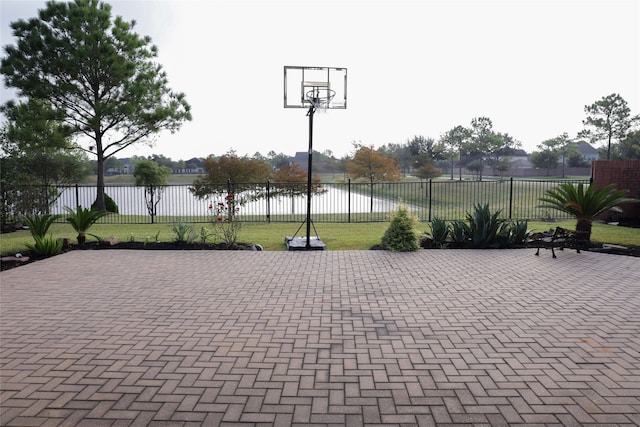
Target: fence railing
(283, 202)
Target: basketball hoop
(320, 97)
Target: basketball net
(320, 99)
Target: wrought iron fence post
(510, 197)
(77, 195)
(430, 197)
(349, 200)
(268, 202)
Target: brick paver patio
(450, 337)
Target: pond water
(179, 201)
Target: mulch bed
(27, 257)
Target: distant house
(117, 166)
(587, 151)
(520, 160)
(301, 159)
(192, 166)
(126, 166)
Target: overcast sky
(414, 67)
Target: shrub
(45, 246)
(109, 204)
(401, 235)
(39, 224)
(184, 232)
(225, 219)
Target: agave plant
(45, 246)
(484, 226)
(584, 203)
(82, 219)
(439, 232)
(459, 233)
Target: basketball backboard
(305, 86)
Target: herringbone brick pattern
(451, 337)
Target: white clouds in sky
(415, 67)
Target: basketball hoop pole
(312, 110)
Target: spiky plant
(82, 219)
(39, 224)
(484, 226)
(584, 203)
(439, 232)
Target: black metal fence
(280, 202)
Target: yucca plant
(584, 203)
(82, 219)
(39, 224)
(45, 246)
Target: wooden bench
(560, 238)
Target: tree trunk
(585, 224)
(99, 203)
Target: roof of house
(585, 148)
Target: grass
(337, 236)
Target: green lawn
(337, 236)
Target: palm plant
(39, 224)
(584, 203)
(82, 219)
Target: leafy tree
(291, 180)
(277, 160)
(486, 145)
(545, 159)
(242, 172)
(481, 139)
(453, 141)
(154, 179)
(427, 170)
(97, 73)
(161, 160)
(114, 164)
(372, 165)
(550, 152)
(401, 153)
(502, 146)
(36, 156)
(608, 119)
(629, 148)
(574, 158)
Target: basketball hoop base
(299, 243)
